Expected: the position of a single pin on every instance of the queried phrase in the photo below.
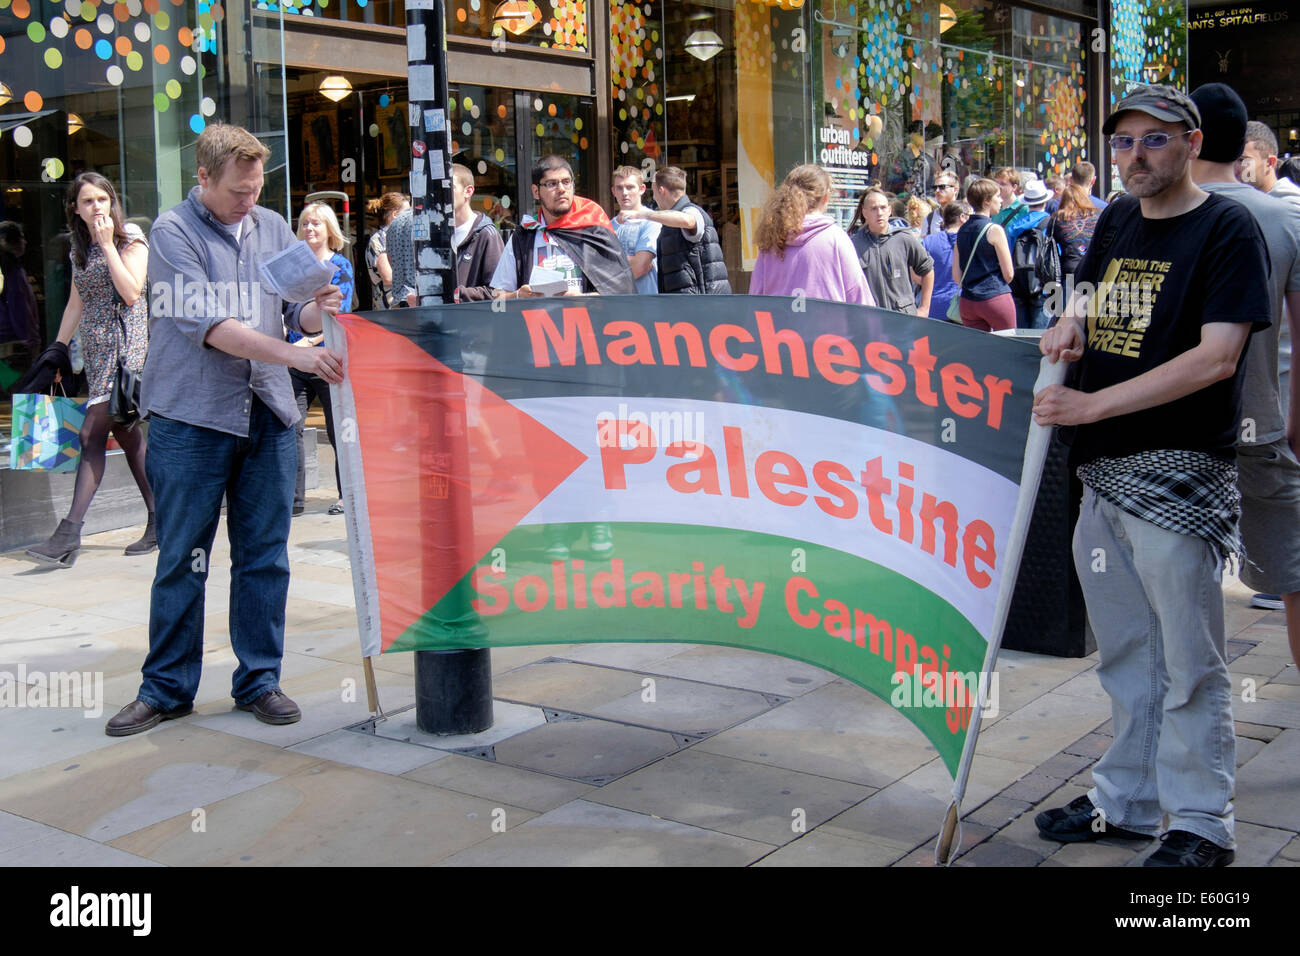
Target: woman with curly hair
(107, 306)
(801, 249)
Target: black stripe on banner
(966, 392)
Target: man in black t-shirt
(1172, 285)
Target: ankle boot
(62, 547)
(148, 541)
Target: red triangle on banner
(450, 468)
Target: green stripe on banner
(703, 585)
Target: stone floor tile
(582, 833)
(1032, 787)
(998, 812)
(1292, 850)
(585, 748)
(1279, 691)
(1109, 853)
(1040, 730)
(1257, 845)
(1256, 731)
(1247, 748)
(1022, 829)
(36, 736)
(822, 849)
(368, 752)
(629, 656)
(746, 799)
(577, 687)
(1283, 861)
(496, 781)
(16, 831)
(328, 815)
(900, 815)
(1093, 745)
(507, 721)
(1064, 766)
(838, 730)
(1266, 785)
(69, 850)
(1259, 665)
(996, 852)
(327, 703)
(1084, 685)
(748, 670)
(143, 779)
(685, 707)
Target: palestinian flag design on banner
(821, 481)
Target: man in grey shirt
(221, 412)
(1267, 467)
(892, 258)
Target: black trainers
(1079, 822)
(1180, 848)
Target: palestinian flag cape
(587, 237)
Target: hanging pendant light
(704, 44)
(6, 94)
(75, 124)
(335, 87)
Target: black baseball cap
(1224, 120)
(1163, 102)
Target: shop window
(555, 24)
(484, 139)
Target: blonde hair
(917, 209)
(323, 212)
(804, 189)
(219, 143)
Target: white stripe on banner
(942, 522)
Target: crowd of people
(1180, 425)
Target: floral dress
(100, 332)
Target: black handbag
(124, 398)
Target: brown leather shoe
(138, 716)
(273, 707)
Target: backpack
(1036, 263)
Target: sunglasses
(1121, 142)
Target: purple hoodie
(819, 263)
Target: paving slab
(1257, 846)
(1266, 785)
(582, 833)
(508, 720)
(630, 656)
(328, 815)
(1042, 729)
(496, 781)
(143, 779)
(69, 850)
(749, 670)
(823, 849)
(585, 748)
(838, 730)
(1109, 853)
(36, 736)
(996, 852)
(755, 801)
(685, 707)
(576, 687)
(1273, 713)
(368, 751)
(330, 698)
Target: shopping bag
(46, 433)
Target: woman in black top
(986, 301)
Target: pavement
(601, 754)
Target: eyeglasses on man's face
(939, 186)
(554, 184)
(1121, 142)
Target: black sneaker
(1077, 822)
(1180, 848)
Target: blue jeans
(190, 468)
(1155, 602)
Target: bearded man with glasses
(571, 240)
(1155, 411)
